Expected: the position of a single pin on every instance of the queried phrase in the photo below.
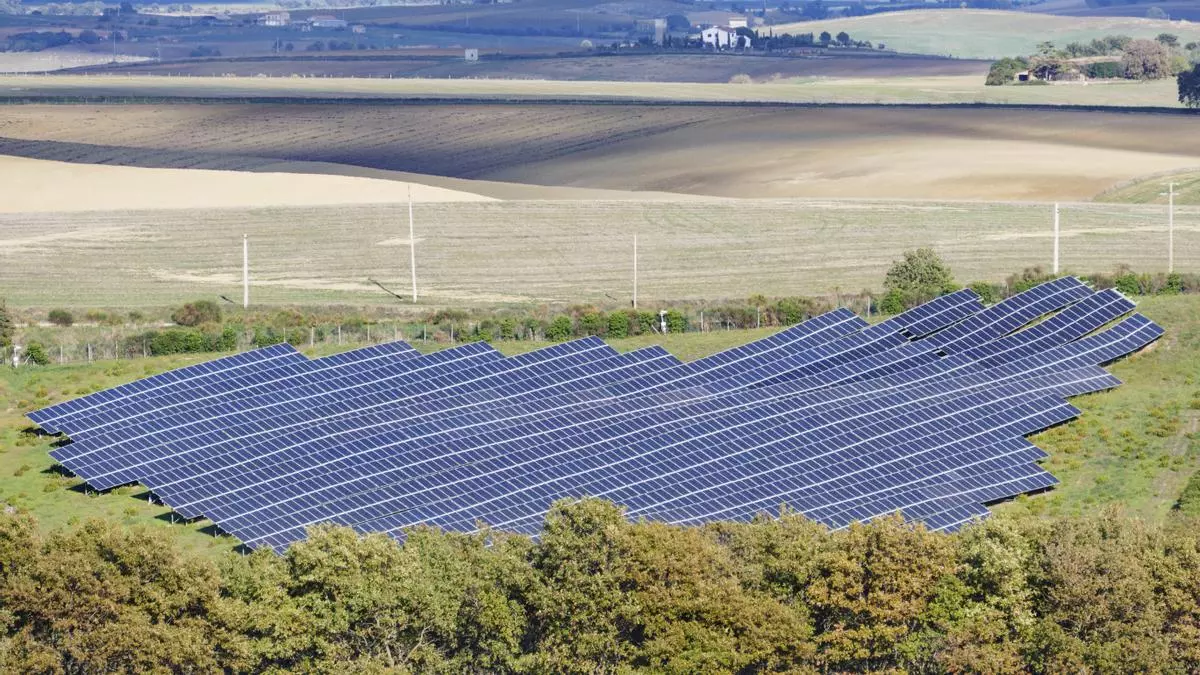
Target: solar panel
(924, 414)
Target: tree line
(1111, 57)
(598, 593)
(201, 326)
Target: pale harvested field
(869, 90)
(490, 253)
(983, 34)
(34, 185)
(743, 152)
(698, 67)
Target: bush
(37, 354)
(1105, 70)
(6, 325)
(618, 325)
(892, 303)
(592, 323)
(1127, 283)
(61, 317)
(1189, 499)
(919, 277)
(1005, 71)
(560, 329)
(741, 78)
(508, 329)
(989, 294)
(676, 321)
(196, 313)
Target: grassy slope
(1134, 446)
(981, 34)
(1153, 190)
(892, 90)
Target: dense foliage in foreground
(599, 594)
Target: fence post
(89, 352)
(312, 336)
(339, 333)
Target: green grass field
(981, 34)
(1154, 190)
(1135, 446)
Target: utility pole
(1056, 237)
(635, 271)
(1170, 228)
(245, 271)
(412, 245)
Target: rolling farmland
(722, 151)
(521, 252)
(823, 90)
(984, 34)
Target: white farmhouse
(723, 37)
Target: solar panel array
(925, 413)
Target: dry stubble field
(743, 152)
(492, 253)
(786, 236)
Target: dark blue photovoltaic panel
(925, 414)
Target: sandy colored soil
(860, 90)
(33, 185)
(746, 152)
(712, 68)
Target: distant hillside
(1153, 190)
(982, 34)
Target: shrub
(1105, 70)
(592, 323)
(6, 325)
(202, 51)
(920, 276)
(1127, 283)
(1174, 284)
(196, 313)
(618, 325)
(1005, 71)
(560, 329)
(989, 294)
(676, 321)
(37, 354)
(508, 329)
(1189, 499)
(646, 322)
(741, 78)
(61, 317)
(892, 303)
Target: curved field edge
(987, 34)
(970, 90)
(1134, 446)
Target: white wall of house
(722, 38)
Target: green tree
(618, 325)
(593, 323)
(843, 39)
(37, 354)
(1167, 39)
(1189, 87)
(560, 329)
(825, 38)
(1005, 71)
(584, 620)
(919, 277)
(989, 294)
(1146, 60)
(7, 327)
